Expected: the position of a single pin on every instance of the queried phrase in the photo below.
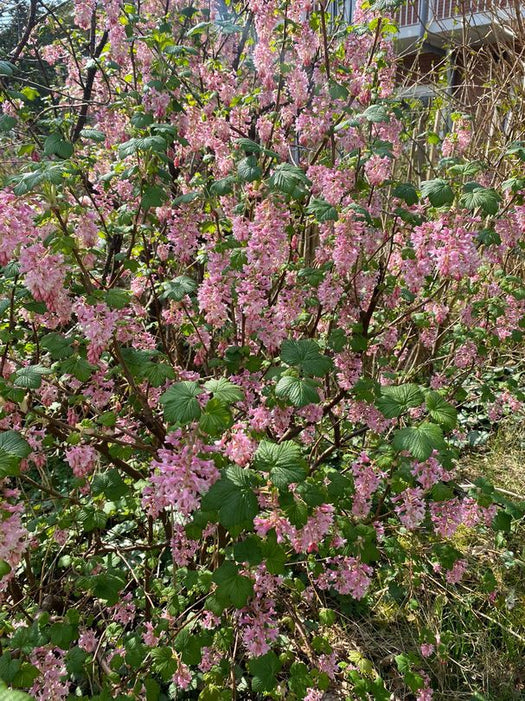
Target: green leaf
(224, 391)
(290, 180)
(438, 192)
(76, 660)
(406, 192)
(502, 521)
(155, 144)
(232, 587)
(93, 135)
(249, 550)
(222, 187)
(57, 345)
(248, 169)
(216, 418)
(13, 444)
(153, 196)
(158, 373)
(110, 484)
(5, 568)
(233, 498)
(7, 68)
(306, 354)
(248, 146)
(420, 440)
(13, 448)
(375, 114)
(25, 676)
(299, 392)
(91, 518)
(283, 461)
(30, 377)
(78, 367)
(163, 662)
(396, 400)
(441, 411)
(274, 555)
(12, 695)
(180, 403)
(322, 210)
(63, 634)
(178, 288)
(7, 122)
(117, 298)
(56, 145)
(264, 670)
(479, 197)
(108, 587)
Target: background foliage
(245, 352)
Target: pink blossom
(88, 640)
(180, 476)
(82, 459)
(51, 684)
(427, 649)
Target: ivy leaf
(420, 440)
(180, 403)
(264, 670)
(306, 354)
(283, 461)
(479, 197)
(215, 418)
(30, 377)
(224, 391)
(322, 210)
(299, 392)
(396, 400)
(233, 498)
(441, 411)
(438, 192)
(232, 587)
(248, 169)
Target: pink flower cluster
(180, 476)
(13, 535)
(98, 325)
(52, 684)
(82, 459)
(348, 576)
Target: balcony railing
(411, 13)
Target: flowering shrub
(235, 337)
